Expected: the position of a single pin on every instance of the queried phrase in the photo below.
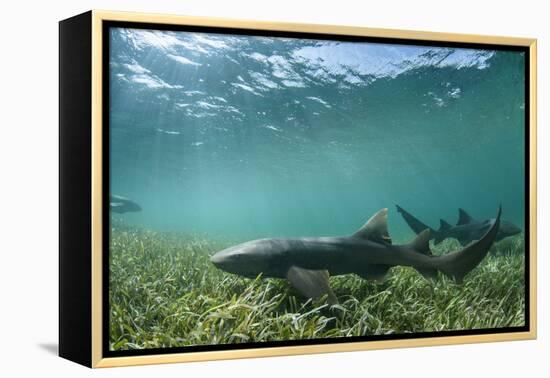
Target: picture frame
(86, 202)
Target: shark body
(466, 230)
(369, 253)
(121, 205)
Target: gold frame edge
(533, 187)
(98, 16)
(310, 28)
(308, 349)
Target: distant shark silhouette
(369, 253)
(467, 229)
(121, 205)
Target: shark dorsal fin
(464, 217)
(376, 228)
(444, 225)
(421, 243)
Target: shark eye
(240, 256)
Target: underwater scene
(267, 189)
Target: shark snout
(244, 259)
(226, 259)
(217, 259)
(516, 230)
(135, 207)
(509, 229)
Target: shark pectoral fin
(374, 272)
(429, 274)
(376, 228)
(311, 283)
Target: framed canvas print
(234, 189)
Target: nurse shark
(121, 205)
(308, 262)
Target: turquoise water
(242, 137)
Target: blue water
(244, 137)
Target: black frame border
(105, 98)
(75, 184)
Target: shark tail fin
(458, 264)
(414, 223)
